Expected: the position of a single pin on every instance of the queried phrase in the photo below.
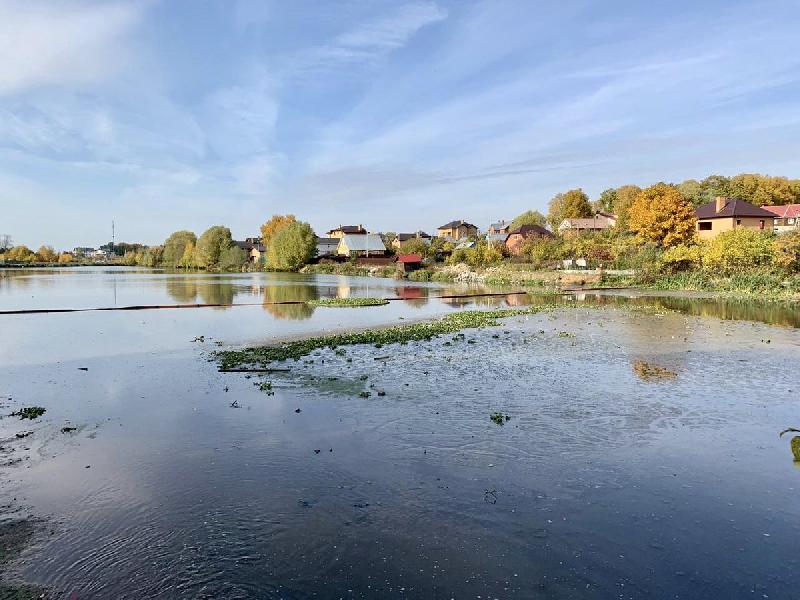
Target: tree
(232, 258)
(175, 247)
(573, 204)
(626, 195)
(529, 217)
(65, 258)
(692, 190)
(5, 242)
(47, 254)
(764, 190)
(713, 186)
(414, 246)
(271, 228)
(661, 214)
(20, 254)
(188, 259)
(292, 247)
(606, 201)
(214, 241)
(787, 251)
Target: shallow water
(602, 484)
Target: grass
(348, 302)
(29, 412)
(399, 334)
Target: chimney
(461, 221)
(721, 202)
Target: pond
(640, 457)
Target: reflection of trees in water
(772, 313)
(216, 292)
(182, 290)
(288, 293)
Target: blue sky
(181, 114)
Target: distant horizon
(399, 115)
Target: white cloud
(61, 43)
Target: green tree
(210, 246)
(188, 259)
(713, 186)
(573, 204)
(271, 228)
(292, 247)
(662, 215)
(529, 217)
(414, 246)
(232, 258)
(626, 195)
(175, 247)
(692, 190)
(606, 201)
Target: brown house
(599, 222)
(727, 214)
(457, 230)
(344, 230)
(404, 237)
(517, 238)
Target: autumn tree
(210, 246)
(529, 217)
(661, 214)
(46, 254)
(292, 247)
(175, 247)
(625, 197)
(5, 242)
(188, 259)
(20, 254)
(606, 201)
(271, 228)
(414, 246)
(573, 204)
(763, 190)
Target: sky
(399, 115)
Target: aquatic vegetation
(565, 334)
(499, 418)
(795, 443)
(29, 412)
(266, 386)
(398, 334)
(68, 429)
(348, 302)
(364, 394)
(650, 372)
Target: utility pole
(113, 238)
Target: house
(326, 246)
(726, 214)
(599, 222)
(457, 230)
(786, 218)
(404, 237)
(344, 230)
(369, 244)
(517, 238)
(253, 248)
(408, 262)
(501, 227)
(83, 251)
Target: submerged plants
(348, 302)
(399, 334)
(29, 412)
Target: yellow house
(344, 230)
(726, 214)
(457, 230)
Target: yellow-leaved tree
(662, 215)
(271, 228)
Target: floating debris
(24, 434)
(364, 394)
(68, 429)
(348, 302)
(499, 418)
(650, 372)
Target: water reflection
(289, 293)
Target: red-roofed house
(409, 262)
(726, 214)
(787, 217)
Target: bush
(683, 257)
(738, 251)
(787, 252)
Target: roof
(409, 258)
(787, 211)
(321, 241)
(500, 225)
(733, 208)
(454, 224)
(352, 229)
(496, 237)
(590, 223)
(528, 230)
(371, 242)
(465, 244)
(404, 237)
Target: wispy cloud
(61, 43)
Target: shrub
(787, 252)
(737, 251)
(683, 257)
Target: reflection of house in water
(412, 295)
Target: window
(738, 221)
(790, 221)
(704, 226)
(761, 224)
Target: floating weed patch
(348, 302)
(29, 412)
(266, 387)
(399, 334)
(565, 334)
(649, 372)
(499, 418)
